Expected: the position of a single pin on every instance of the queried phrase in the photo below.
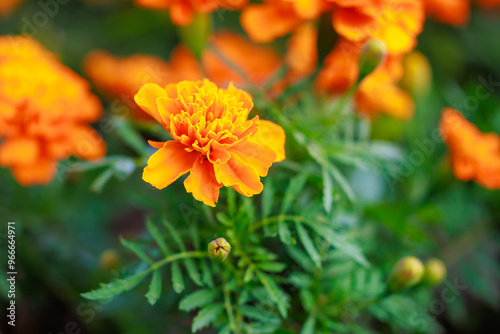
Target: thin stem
(275, 219)
(176, 257)
(229, 309)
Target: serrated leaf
(249, 274)
(301, 258)
(267, 198)
(275, 267)
(206, 316)
(260, 315)
(340, 243)
(277, 295)
(137, 250)
(341, 183)
(309, 325)
(193, 273)
(177, 280)
(308, 244)
(114, 288)
(198, 299)
(158, 238)
(175, 236)
(327, 191)
(154, 291)
(206, 275)
(284, 233)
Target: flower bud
(435, 272)
(417, 76)
(372, 54)
(407, 272)
(219, 249)
(109, 260)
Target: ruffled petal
(167, 164)
(146, 99)
(202, 183)
(271, 135)
(237, 174)
(260, 157)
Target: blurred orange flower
(475, 155)
(275, 18)
(455, 12)
(122, 77)
(6, 6)
(182, 11)
(396, 22)
(45, 109)
(377, 93)
(213, 139)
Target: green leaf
(173, 233)
(301, 258)
(275, 267)
(342, 183)
(308, 244)
(198, 299)
(206, 316)
(267, 198)
(309, 325)
(284, 233)
(327, 190)
(177, 280)
(154, 291)
(260, 315)
(249, 274)
(103, 178)
(136, 249)
(340, 243)
(116, 287)
(277, 295)
(158, 238)
(130, 135)
(193, 273)
(293, 190)
(206, 275)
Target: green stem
(229, 309)
(175, 257)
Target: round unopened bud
(372, 54)
(406, 273)
(417, 76)
(435, 272)
(219, 249)
(109, 260)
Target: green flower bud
(435, 272)
(406, 273)
(219, 249)
(372, 54)
(110, 260)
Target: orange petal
(271, 135)
(202, 183)
(302, 53)
(352, 23)
(146, 99)
(167, 164)
(156, 144)
(41, 172)
(19, 151)
(260, 157)
(85, 143)
(237, 174)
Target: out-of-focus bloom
(475, 155)
(182, 11)
(455, 12)
(122, 77)
(45, 109)
(489, 3)
(110, 260)
(396, 22)
(212, 139)
(6, 6)
(219, 249)
(276, 18)
(341, 72)
(302, 55)
(417, 77)
(406, 273)
(231, 58)
(435, 272)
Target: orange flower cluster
(183, 11)
(475, 155)
(45, 109)
(224, 61)
(213, 139)
(454, 12)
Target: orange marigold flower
(44, 119)
(455, 12)
(489, 3)
(122, 77)
(276, 18)
(475, 155)
(302, 55)
(228, 60)
(182, 11)
(213, 139)
(395, 22)
(341, 72)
